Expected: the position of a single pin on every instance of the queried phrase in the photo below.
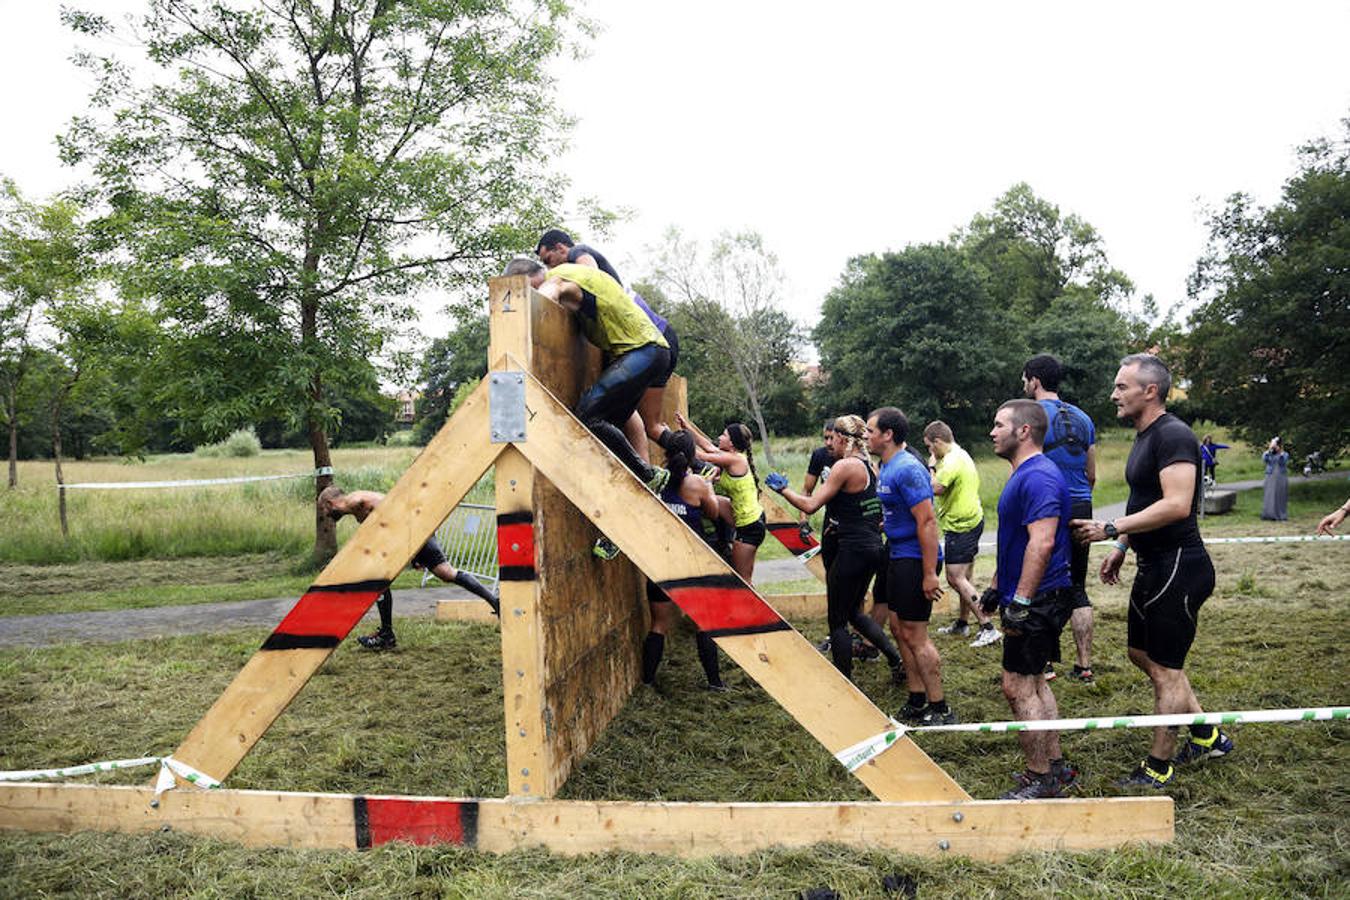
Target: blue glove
(776, 481)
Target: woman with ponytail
(691, 498)
(851, 542)
(739, 483)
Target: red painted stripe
(515, 545)
(326, 613)
(418, 821)
(718, 608)
(790, 537)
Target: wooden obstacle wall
(572, 630)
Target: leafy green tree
(301, 168)
(727, 297)
(40, 267)
(1270, 339)
(917, 329)
(452, 361)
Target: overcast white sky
(858, 127)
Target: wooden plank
(783, 525)
(586, 616)
(981, 829)
(474, 610)
(828, 705)
(799, 606)
(390, 536)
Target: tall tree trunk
(12, 413)
(325, 529)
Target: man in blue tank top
(1032, 589)
(1071, 444)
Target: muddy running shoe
(824, 646)
(910, 712)
(987, 636)
(659, 479)
(898, 672)
(1031, 786)
(380, 640)
(933, 716)
(1218, 745)
(1082, 676)
(1145, 776)
(864, 651)
(605, 549)
(956, 629)
(1067, 773)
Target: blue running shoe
(1218, 745)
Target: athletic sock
(1158, 765)
(941, 706)
(918, 699)
(961, 623)
(474, 586)
(707, 656)
(386, 607)
(1202, 733)
(652, 650)
(987, 626)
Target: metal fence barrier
(469, 538)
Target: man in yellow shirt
(956, 492)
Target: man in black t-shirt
(1175, 575)
(818, 466)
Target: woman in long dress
(1275, 495)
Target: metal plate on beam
(506, 407)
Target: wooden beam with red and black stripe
(515, 546)
(744, 624)
(787, 529)
(382, 820)
(324, 615)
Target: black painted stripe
(782, 526)
(279, 640)
(361, 813)
(515, 518)
(468, 822)
(703, 581)
(780, 625)
(516, 573)
(354, 587)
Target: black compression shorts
(1078, 556)
(753, 533)
(1165, 602)
(430, 556)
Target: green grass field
(1267, 822)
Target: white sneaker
(958, 628)
(986, 637)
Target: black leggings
(607, 404)
(846, 586)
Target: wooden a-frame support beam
(391, 535)
(746, 627)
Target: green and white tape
(860, 753)
(168, 769)
(1288, 539)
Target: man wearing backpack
(1071, 444)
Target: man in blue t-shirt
(1071, 444)
(911, 583)
(1032, 588)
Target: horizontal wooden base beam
(474, 610)
(981, 829)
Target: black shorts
(1078, 557)
(1165, 602)
(430, 556)
(961, 547)
(904, 590)
(752, 534)
(1030, 644)
(674, 341)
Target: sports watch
(1111, 531)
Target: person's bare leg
(927, 662)
(1081, 622)
(1025, 699)
(743, 560)
(649, 409)
(958, 576)
(450, 575)
(1049, 710)
(1171, 694)
(637, 436)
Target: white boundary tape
(860, 753)
(125, 485)
(1290, 539)
(168, 768)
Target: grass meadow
(1270, 821)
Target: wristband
(1020, 600)
(1121, 546)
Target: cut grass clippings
(427, 719)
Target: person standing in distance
(911, 584)
(1071, 444)
(818, 466)
(956, 491)
(1175, 575)
(1033, 590)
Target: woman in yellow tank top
(737, 486)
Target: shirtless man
(335, 504)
